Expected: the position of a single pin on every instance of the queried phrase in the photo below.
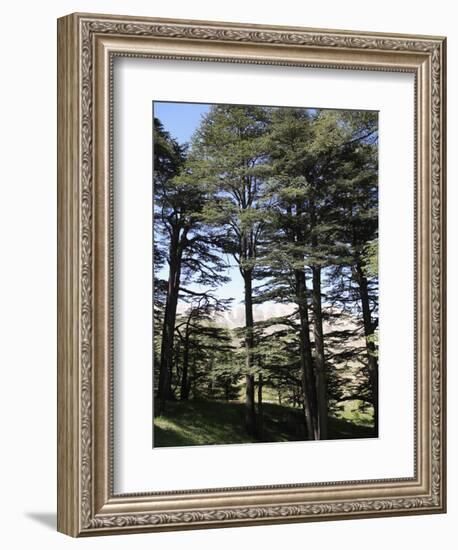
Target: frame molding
(87, 45)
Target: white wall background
(28, 273)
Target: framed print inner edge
(88, 45)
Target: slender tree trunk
(321, 382)
(192, 383)
(307, 374)
(185, 386)
(260, 411)
(320, 365)
(210, 382)
(168, 331)
(369, 330)
(250, 413)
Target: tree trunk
(210, 381)
(185, 386)
(307, 374)
(250, 413)
(321, 382)
(192, 383)
(369, 330)
(260, 412)
(164, 387)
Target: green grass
(354, 412)
(220, 422)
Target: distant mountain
(235, 317)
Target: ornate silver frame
(87, 44)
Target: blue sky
(181, 120)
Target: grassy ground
(354, 412)
(216, 422)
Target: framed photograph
(251, 290)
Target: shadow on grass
(213, 422)
(200, 423)
(342, 429)
(170, 438)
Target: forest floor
(221, 422)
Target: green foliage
(229, 156)
(371, 258)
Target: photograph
(265, 290)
